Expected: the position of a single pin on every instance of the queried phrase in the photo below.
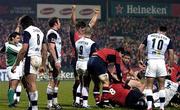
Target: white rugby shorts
(81, 66)
(32, 64)
(156, 68)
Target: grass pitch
(64, 97)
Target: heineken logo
(131, 9)
(140, 9)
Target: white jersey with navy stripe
(157, 44)
(56, 40)
(35, 41)
(83, 48)
(171, 89)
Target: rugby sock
(49, 92)
(55, 93)
(75, 86)
(11, 96)
(34, 99)
(15, 96)
(18, 92)
(78, 94)
(104, 94)
(149, 98)
(96, 96)
(162, 95)
(85, 96)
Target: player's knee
(32, 87)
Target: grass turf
(64, 97)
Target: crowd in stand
(133, 30)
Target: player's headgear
(26, 21)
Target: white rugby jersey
(83, 48)
(157, 44)
(56, 38)
(34, 37)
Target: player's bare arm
(140, 51)
(73, 16)
(53, 53)
(18, 27)
(52, 50)
(44, 57)
(73, 19)
(171, 57)
(44, 53)
(94, 18)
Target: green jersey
(11, 52)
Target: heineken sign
(139, 9)
(131, 9)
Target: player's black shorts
(96, 66)
(133, 97)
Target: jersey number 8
(112, 91)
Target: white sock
(149, 98)
(34, 99)
(85, 96)
(162, 95)
(15, 96)
(55, 100)
(18, 91)
(78, 94)
(49, 92)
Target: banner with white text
(139, 9)
(65, 75)
(64, 11)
